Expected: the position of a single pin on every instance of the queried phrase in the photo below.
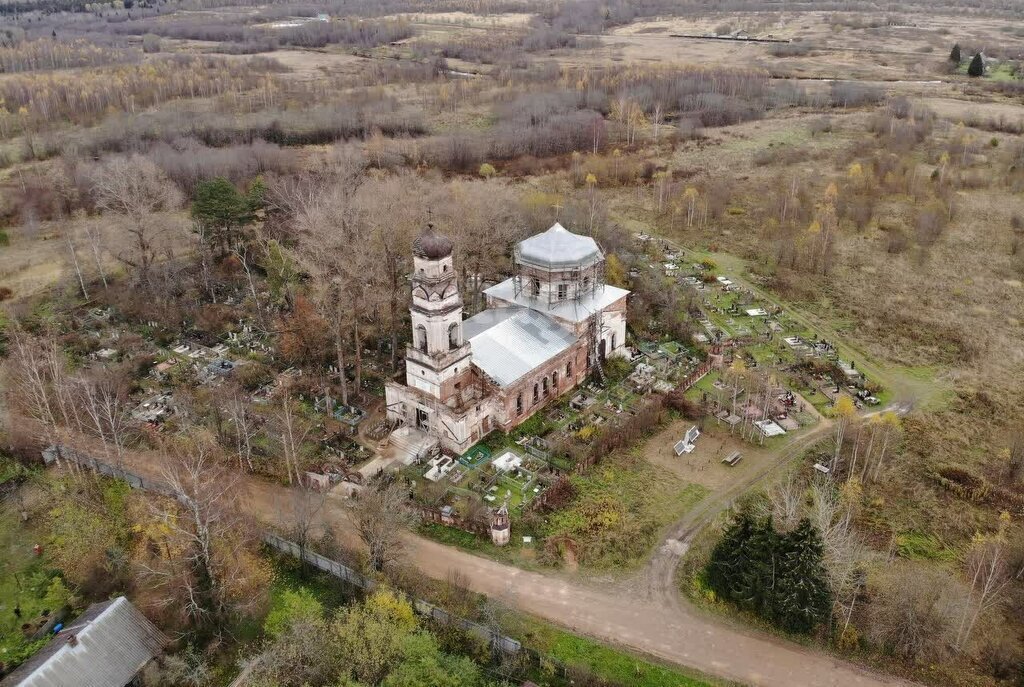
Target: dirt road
(655, 624)
(647, 616)
(645, 612)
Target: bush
(150, 43)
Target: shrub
(150, 43)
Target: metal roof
(516, 344)
(558, 248)
(485, 319)
(570, 310)
(113, 641)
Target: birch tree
(990, 574)
(244, 427)
(292, 430)
(103, 395)
(136, 190)
(844, 412)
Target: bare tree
(95, 239)
(219, 577)
(304, 517)
(292, 430)
(39, 387)
(244, 427)
(135, 189)
(103, 395)
(73, 254)
(831, 513)
(990, 573)
(333, 249)
(786, 503)
(913, 613)
(379, 516)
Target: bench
(732, 458)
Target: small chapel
(541, 333)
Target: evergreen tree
(977, 66)
(221, 210)
(954, 54)
(744, 563)
(802, 597)
(755, 587)
(728, 557)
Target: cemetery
(748, 376)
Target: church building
(542, 331)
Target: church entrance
(422, 419)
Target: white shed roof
(514, 342)
(558, 248)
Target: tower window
(421, 338)
(563, 291)
(453, 335)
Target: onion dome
(432, 244)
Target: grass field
(606, 662)
(27, 585)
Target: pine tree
(954, 54)
(221, 210)
(977, 66)
(802, 597)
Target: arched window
(453, 335)
(545, 383)
(421, 338)
(519, 404)
(613, 341)
(568, 369)
(536, 392)
(554, 379)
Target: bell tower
(439, 354)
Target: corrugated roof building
(107, 646)
(517, 344)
